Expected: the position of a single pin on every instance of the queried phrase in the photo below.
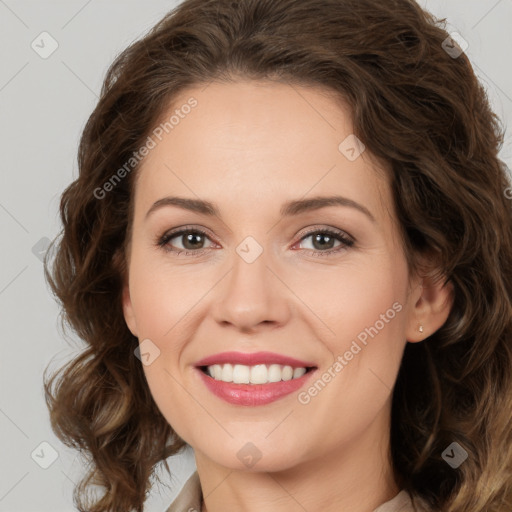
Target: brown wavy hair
(416, 108)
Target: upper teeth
(258, 374)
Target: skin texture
(249, 147)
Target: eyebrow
(290, 208)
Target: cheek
(161, 300)
(364, 312)
(356, 296)
(363, 309)
(161, 296)
(170, 397)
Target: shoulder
(403, 502)
(189, 498)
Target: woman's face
(266, 277)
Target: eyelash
(338, 235)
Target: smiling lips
(253, 379)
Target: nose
(252, 295)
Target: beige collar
(190, 497)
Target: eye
(324, 238)
(192, 240)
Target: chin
(252, 455)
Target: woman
(340, 336)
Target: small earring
(420, 328)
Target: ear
(431, 303)
(121, 265)
(129, 315)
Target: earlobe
(431, 309)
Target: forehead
(248, 144)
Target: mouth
(251, 379)
(259, 374)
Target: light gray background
(44, 105)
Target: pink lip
(253, 394)
(252, 359)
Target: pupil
(190, 238)
(320, 236)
